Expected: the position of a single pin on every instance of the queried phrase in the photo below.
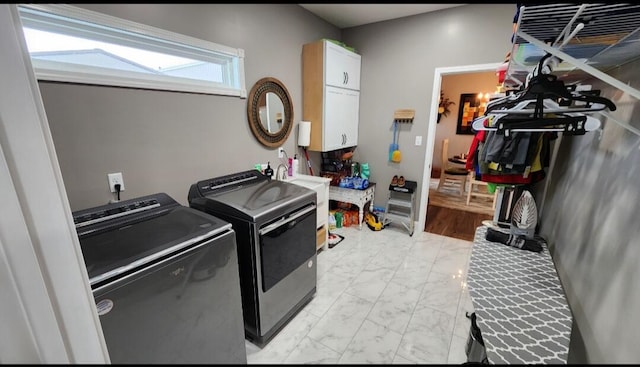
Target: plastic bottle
(338, 216)
(296, 165)
(268, 171)
(364, 170)
(290, 167)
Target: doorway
(432, 143)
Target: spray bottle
(296, 164)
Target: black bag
(475, 350)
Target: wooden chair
(481, 189)
(451, 176)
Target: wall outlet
(281, 152)
(419, 140)
(115, 178)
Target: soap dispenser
(268, 171)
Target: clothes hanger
(570, 124)
(503, 122)
(543, 90)
(540, 92)
(550, 107)
(543, 85)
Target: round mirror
(270, 112)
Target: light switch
(419, 140)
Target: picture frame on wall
(471, 106)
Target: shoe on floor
(401, 181)
(394, 180)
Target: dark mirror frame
(259, 90)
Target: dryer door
(286, 243)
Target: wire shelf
(597, 37)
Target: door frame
(431, 129)
(47, 301)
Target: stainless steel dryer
(165, 282)
(275, 225)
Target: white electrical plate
(115, 178)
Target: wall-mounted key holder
(404, 116)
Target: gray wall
(399, 58)
(589, 219)
(165, 141)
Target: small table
(354, 196)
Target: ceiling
(352, 15)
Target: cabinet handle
(347, 78)
(344, 77)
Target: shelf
(590, 39)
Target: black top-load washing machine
(165, 282)
(275, 225)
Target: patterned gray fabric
(520, 306)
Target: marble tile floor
(382, 298)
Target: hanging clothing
(472, 157)
(519, 158)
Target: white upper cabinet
(341, 110)
(331, 95)
(342, 67)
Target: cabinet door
(342, 67)
(352, 116)
(342, 110)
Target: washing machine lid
(260, 199)
(124, 243)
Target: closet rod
(582, 66)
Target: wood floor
(453, 222)
(448, 214)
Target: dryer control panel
(229, 182)
(122, 209)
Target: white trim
(115, 78)
(103, 19)
(45, 286)
(25, 306)
(147, 38)
(431, 129)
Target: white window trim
(100, 76)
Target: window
(70, 44)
